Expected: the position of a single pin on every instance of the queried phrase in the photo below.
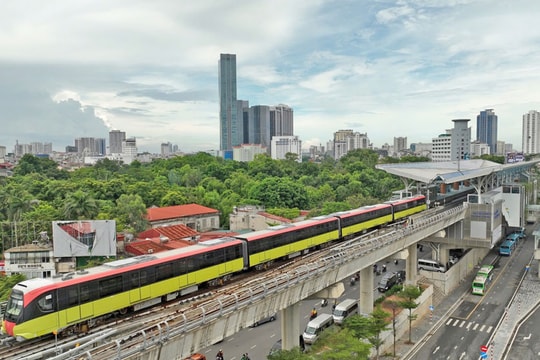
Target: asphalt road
(471, 324)
(258, 341)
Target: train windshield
(14, 306)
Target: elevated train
(76, 301)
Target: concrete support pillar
(290, 327)
(411, 265)
(443, 254)
(366, 290)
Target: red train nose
(8, 327)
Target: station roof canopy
(444, 172)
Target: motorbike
(324, 302)
(353, 280)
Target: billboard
(514, 157)
(84, 238)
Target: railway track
(140, 330)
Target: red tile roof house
(197, 217)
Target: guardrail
(193, 318)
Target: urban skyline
(406, 65)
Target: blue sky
(386, 68)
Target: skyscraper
(460, 148)
(116, 137)
(531, 132)
(228, 119)
(486, 129)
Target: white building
(281, 145)
(129, 150)
(478, 149)
(455, 144)
(33, 261)
(347, 140)
(422, 149)
(247, 152)
(441, 147)
(531, 133)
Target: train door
(87, 306)
(73, 313)
(135, 290)
(146, 278)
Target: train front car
(27, 305)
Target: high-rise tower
(486, 129)
(531, 132)
(116, 137)
(228, 119)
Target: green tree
(409, 294)
(340, 345)
(280, 192)
(7, 283)
(379, 323)
(131, 212)
(80, 206)
(294, 354)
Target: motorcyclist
(313, 314)
(219, 355)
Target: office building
(486, 129)
(242, 115)
(347, 140)
(400, 144)
(228, 117)
(90, 146)
(116, 137)
(247, 152)
(281, 120)
(129, 150)
(461, 140)
(531, 133)
(283, 145)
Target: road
(258, 341)
(471, 323)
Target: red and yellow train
(81, 299)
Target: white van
(430, 265)
(345, 309)
(316, 326)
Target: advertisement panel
(84, 238)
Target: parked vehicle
(431, 265)
(264, 320)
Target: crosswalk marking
(469, 325)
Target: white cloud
(388, 68)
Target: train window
(134, 280)
(146, 277)
(85, 293)
(163, 272)
(45, 302)
(110, 286)
(72, 296)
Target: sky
(387, 68)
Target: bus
(482, 280)
(515, 236)
(507, 247)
